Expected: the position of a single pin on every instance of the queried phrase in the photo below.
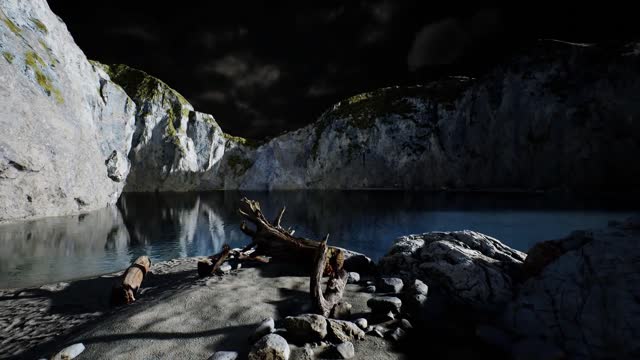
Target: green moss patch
(362, 110)
(139, 85)
(242, 141)
(12, 26)
(239, 164)
(8, 56)
(52, 59)
(41, 26)
(35, 63)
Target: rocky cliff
(559, 115)
(176, 148)
(66, 128)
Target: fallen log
(124, 291)
(324, 302)
(270, 238)
(209, 266)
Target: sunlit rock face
(558, 115)
(66, 128)
(555, 116)
(175, 148)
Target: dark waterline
(166, 226)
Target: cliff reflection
(170, 225)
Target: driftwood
(270, 238)
(324, 303)
(124, 291)
(209, 266)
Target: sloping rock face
(586, 300)
(469, 267)
(66, 128)
(176, 148)
(558, 116)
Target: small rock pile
(315, 336)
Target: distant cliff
(560, 116)
(65, 128)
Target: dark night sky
(262, 68)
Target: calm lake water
(166, 226)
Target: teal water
(166, 226)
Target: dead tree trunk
(273, 240)
(325, 302)
(124, 291)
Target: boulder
(397, 334)
(345, 350)
(406, 324)
(66, 127)
(342, 310)
(357, 262)
(306, 328)
(362, 323)
(224, 355)
(266, 326)
(340, 330)
(270, 347)
(390, 285)
(383, 304)
(585, 301)
(353, 278)
(70, 352)
(471, 268)
(419, 287)
(377, 331)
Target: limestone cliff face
(175, 148)
(66, 128)
(559, 116)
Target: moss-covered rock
(34, 62)
(40, 25)
(8, 56)
(11, 25)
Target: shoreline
(442, 191)
(83, 306)
(181, 315)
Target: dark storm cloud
(439, 43)
(136, 32)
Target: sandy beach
(177, 316)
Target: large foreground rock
(586, 300)
(469, 267)
(66, 128)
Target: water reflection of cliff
(62, 247)
(176, 225)
(169, 225)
